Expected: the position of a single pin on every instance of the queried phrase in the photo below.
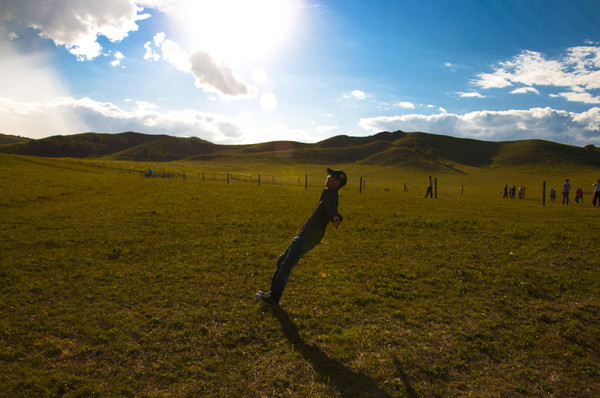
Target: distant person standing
(566, 188)
(579, 195)
(552, 194)
(430, 188)
(596, 193)
(505, 196)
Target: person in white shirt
(566, 188)
(430, 188)
(596, 193)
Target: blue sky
(238, 71)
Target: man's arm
(331, 202)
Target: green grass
(116, 285)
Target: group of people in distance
(511, 192)
(566, 190)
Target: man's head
(335, 179)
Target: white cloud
(68, 115)
(38, 119)
(590, 119)
(406, 105)
(580, 97)
(578, 69)
(118, 58)
(498, 79)
(358, 94)
(470, 95)
(172, 53)
(159, 39)
(525, 90)
(543, 123)
(209, 74)
(37, 81)
(150, 53)
(75, 24)
(215, 77)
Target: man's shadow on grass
(410, 391)
(345, 380)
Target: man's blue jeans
(285, 263)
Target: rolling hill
(413, 150)
(11, 139)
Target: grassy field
(112, 284)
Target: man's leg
(285, 263)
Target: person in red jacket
(579, 195)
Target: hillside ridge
(419, 150)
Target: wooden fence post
(544, 195)
(305, 181)
(436, 187)
(360, 187)
(259, 180)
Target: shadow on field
(410, 392)
(345, 381)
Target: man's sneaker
(266, 298)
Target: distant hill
(124, 146)
(417, 150)
(11, 139)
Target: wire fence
(546, 194)
(209, 175)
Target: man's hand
(336, 221)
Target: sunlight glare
(268, 102)
(237, 31)
(259, 75)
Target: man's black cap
(339, 175)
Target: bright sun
(237, 31)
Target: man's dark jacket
(314, 228)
